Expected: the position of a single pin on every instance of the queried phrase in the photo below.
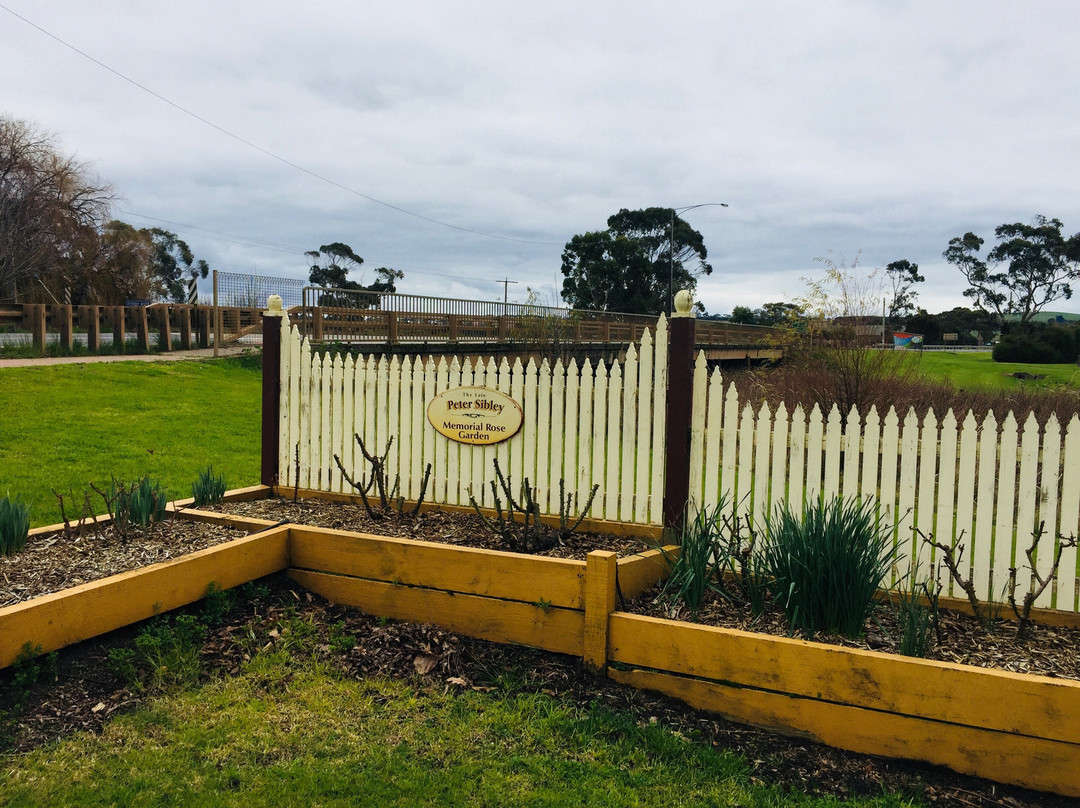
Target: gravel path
(169, 356)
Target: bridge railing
(338, 315)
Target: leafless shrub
(1023, 612)
(530, 535)
(389, 497)
(801, 380)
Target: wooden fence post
(164, 328)
(142, 327)
(90, 319)
(217, 317)
(271, 390)
(679, 411)
(117, 314)
(66, 325)
(601, 567)
(203, 315)
(34, 319)
(391, 328)
(186, 343)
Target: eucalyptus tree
(1031, 266)
(628, 267)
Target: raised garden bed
(1010, 727)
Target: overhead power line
(214, 235)
(267, 152)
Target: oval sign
(476, 415)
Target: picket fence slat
(642, 480)
(558, 421)
(585, 432)
(831, 482)
(541, 478)
(761, 466)
(284, 422)
(611, 462)
(946, 505)
(659, 433)
(964, 524)
(1002, 557)
(1068, 595)
(1026, 500)
(1048, 499)
(628, 426)
(572, 444)
(778, 488)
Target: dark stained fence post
(679, 409)
(65, 317)
(90, 319)
(142, 327)
(271, 390)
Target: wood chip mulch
(52, 562)
(461, 529)
(1047, 651)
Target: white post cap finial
(683, 303)
(273, 306)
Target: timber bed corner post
(271, 390)
(601, 571)
(679, 410)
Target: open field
(66, 426)
(973, 370)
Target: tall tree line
(58, 241)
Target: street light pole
(671, 267)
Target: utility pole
(506, 286)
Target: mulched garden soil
(1047, 651)
(87, 692)
(56, 561)
(460, 529)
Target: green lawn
(290, 731)
(977, 370)
(66, 426)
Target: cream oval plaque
(475, 415)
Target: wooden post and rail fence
(166, 324)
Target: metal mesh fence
(238, 290)
(239, 300)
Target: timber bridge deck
(399, 324)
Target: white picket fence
(983, 484)
(987, 485)
(583, 425)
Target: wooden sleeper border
(1013, 728)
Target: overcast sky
(828, 127)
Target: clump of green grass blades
(918, 620)
(14, 525)
(826, 567)
(209, 488)
(140, 504)
(695, 568)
